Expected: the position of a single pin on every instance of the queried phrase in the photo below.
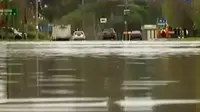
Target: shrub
(42, 36)
(31, 27)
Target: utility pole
(83, 16)
(6, 17)
(25, 27)
(36, 19)
(125, 19)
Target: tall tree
(178, 13)
(196, 12)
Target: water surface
(99, 76)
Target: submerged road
(81, 48)
(69, 76)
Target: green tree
(178, 13)
(196, 12)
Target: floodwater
(92, 76)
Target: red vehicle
(165, 31)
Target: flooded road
(92, 76)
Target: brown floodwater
(99, 77)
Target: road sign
(9, 12)
(126, 11)
(187, 1)
(161, 21)
(103, 20)
(14, 12)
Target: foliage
(178, 13)
(196, 12)
(31, 28)
(31, 35)
(168, 13)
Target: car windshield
(78, 33)
(109, 30)
(136, 32)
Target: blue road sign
(162, 20)
(187, 0)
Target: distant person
(175, 32)
(178, 32)
(181, 32)
(163, 34)
(167, 30)
(185, 32)
(194, 30)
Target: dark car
(136, 35)
(109, 34)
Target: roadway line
(62, 69)
(11, 74)
(124, 103)
(54, 99)
(14, 64)
(53, 110)
(53, 85)
(136, 88)
(61, 80)
(148, 82)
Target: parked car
(11, 33)
(109, 34)
(78, 35)
(136, 35)
(132, 35)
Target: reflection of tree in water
(60, 68)
(197, 81)
(25, 72)
(20, 72)
(44, 66)
(179, 69)
(104, 77)
(101, 74)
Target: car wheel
(113, 38)
(18, 37)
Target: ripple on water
(128, 49)
(141, 50)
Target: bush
(31, 27)
(42, 36)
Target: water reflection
(66, 77)
(109, 83)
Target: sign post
(126, 12)
(161, 21)
(103, 20)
